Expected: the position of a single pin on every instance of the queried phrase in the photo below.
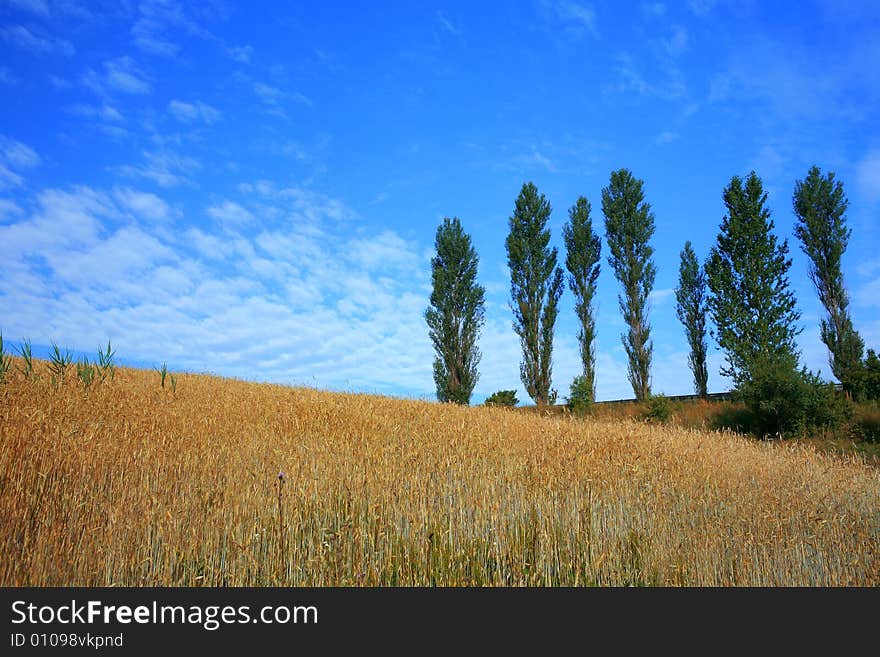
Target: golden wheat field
(132, 484)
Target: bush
(866, 425)
(658, 408)
(867, 383)
(783, 400)
(502, 398)
(580, 396)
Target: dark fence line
(712, 396)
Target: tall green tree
(535, 287)
(456, 313)
(629, 226)
(583, 251)
(820, 206)
(690, 296)
(751, 304)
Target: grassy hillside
(132, 484)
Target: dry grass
(130, 484)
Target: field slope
(132, 484)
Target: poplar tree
(535, 287)
(583, 251)
(456, 313)
(690, 296)
(629, 226)
(820, 206)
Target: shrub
(85, 372)
(868, 383)
(866, 424)
(59, 361)
(658, 408)
(502, 398)
(580, 396)
(106, 367)
(783, 400)
(27, 355)
(5, 361)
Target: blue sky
(253, 189)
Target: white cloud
(230, 214)
(144, 205)
(166, 168)
(104, 112)
(274, 99)
(241, 54)
(868, 175)
(580, 16)
(659, 297)
(667, 137)
(15, 156)
(677, 42)
(37, 44)
(299, 311)
(123, 75)
(9, 209)
(447, 24)
(119, 75)
(189, 112)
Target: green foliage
(502, 398)
(173, 380)
(658, 408)
(690, 296)
(85, 372)
(581, 395)
(27, 356)
(866, 382)
(535, 287)
(5, 361)
(583, 251)
(59, 361)
(784, 401)
(163, 374)
(629, 226)
(106, 367)
(820, 207)
(747, 272)
(456, 313)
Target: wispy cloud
(667, 137)
(240, 54)
(165, 167)
(448, 25)
(36, 43)
(274, 99)
(119, 75)
(144, 205)
(103, 112)
(189, 112)
(15, 156)
(230, 214)
(578, 17)
(306, 303)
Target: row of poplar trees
(743, 287)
